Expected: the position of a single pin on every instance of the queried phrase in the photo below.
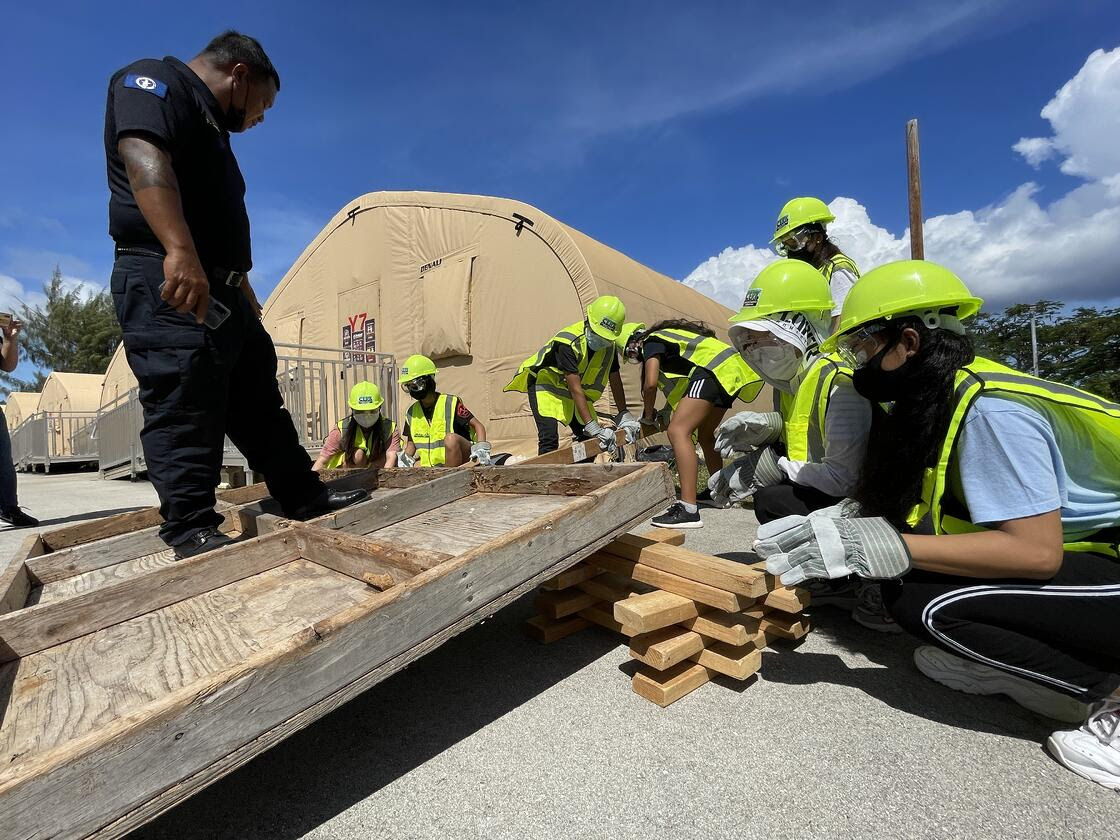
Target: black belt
(218, 275)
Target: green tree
(1079, 348)
(71, 332)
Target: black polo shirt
(167, 103)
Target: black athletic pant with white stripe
(1063, 633)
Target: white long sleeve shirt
(847, 423)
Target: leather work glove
(663, 417)
(480, 452)
(748, 429)
(743, 477)
(405, 460)
(629, 425)
(800, 547)
(606, 438)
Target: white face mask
(367, 419)
(775, 364)
(596, 342)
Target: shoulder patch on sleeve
(134, 80)
(462, 410)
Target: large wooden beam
(352, 556)
(655, 610)
(666, 647)
(15, 579)
(366, 517)
(45, 625)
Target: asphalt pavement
(493, 735)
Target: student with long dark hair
(989, 503)
(701, 377)
(367, 438)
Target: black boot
(328, 502)
(17, 518)
(205, 540)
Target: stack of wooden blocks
(689, 616)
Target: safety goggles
(795, 240)
(417, 385)
(858, 346)
(633, 352)
(746, 340)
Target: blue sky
(671, 131)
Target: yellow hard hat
(416, 366)
(798, 212)
(365, 396)
(606, 315)
(785, 286)
(906, 287)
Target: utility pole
(914, 184)
(1034, 346)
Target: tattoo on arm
(147, 165)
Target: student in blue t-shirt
(988, 503)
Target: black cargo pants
(198, 385)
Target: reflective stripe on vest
(551, 389)
(361, 441)
(713, 355)
(427, 436)
(839, 261)
(803, 412)
(1097, 417)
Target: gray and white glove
(797, 548)
(740, 479)
(480, 452)
(748, 429)
(607, 441)
(629, 425)
(405, 461)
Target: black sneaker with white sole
(677, 517)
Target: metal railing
(55, 437)
(314, 383)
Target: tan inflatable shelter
(118, 380)
(476, 283)
(20, 406)
(75, 398)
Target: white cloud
(1016, 249)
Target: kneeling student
(439, 430)
(364, 439)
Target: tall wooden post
(914, 183)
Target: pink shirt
(333, 444)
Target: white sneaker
(1093, 751)
(973, 678)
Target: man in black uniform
(177, 215)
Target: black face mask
(427, 388)
(803, 254)
(235, 117)
(880, 386)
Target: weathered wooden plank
(353, 556)
(39, 627)
(98, 578)
(382, 511)
(736, 662)
(692, 565)
(576, 480)
(666, 647)
(572, 577)
(786, 598)
(546, 631)
(666, 536)
(702, 592)
(15, 580)
(193, 734)
(666, 687)
(556, 605)
(655, 610)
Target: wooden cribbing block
(716, 572)
(740, 628)
(786, 626)
(666, 647)
(600, 614)
(546, 630)
(610, 588)
(654, 610)
(572, 577)
(563, 603)
(702, 592)
(785, 598)
(665, 536)
(665, 687)
(737, 662)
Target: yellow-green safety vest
(839, 261)
(427, 436)
(1096, 416)
(361, 441)
(551, 389)
(723, 360)
(803, 412)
